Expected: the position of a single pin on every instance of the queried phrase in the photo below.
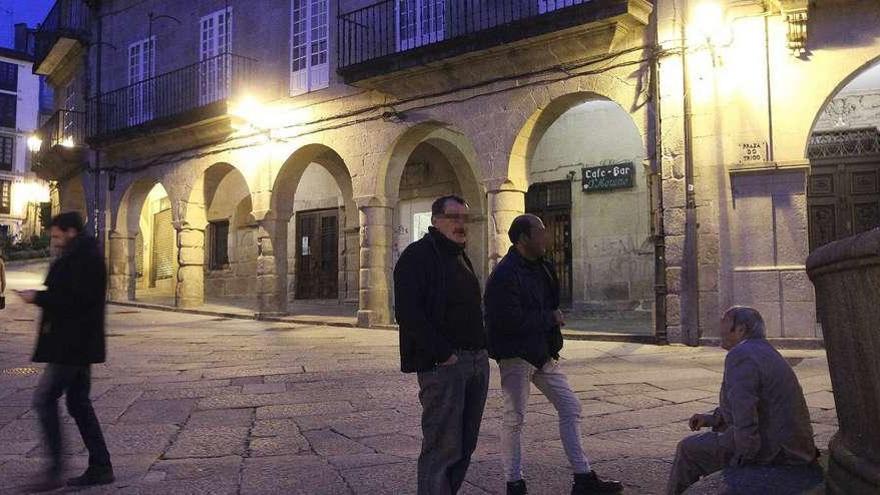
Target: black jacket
(519, 310)
(420, 305)
(72, 323)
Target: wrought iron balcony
(184, 96)
(62, 145)
(67, 25)
(393, 35)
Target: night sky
(15, 11)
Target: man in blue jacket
(523, 320)
(71, 338)
(442, 338)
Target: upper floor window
(141, 68)
(7, 145)
(215, 40)
(8, 104)
(420, 22)
(5, 197)
(309, 46)
(8, 76)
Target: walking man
(71, 338)
(442, 338)
(523, 321)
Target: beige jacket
(763, 416)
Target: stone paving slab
(195, 404)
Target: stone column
(504, 204)
(351, 260)
(374, 283)
(846, 274)
(190, 287)
(271, 266)
(122, 276)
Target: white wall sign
(755, 152)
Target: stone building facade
(273, 153)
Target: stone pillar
(190, 286)
(348, 283)
(504, 204)
(374, 284)
(122, 276)
(271, 266)
(846, 275)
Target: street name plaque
(608, 177)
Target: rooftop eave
(61, 49)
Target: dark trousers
(453, 398)
(75, 382)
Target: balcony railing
(64, 128)
(175, 98)
(396, 26)
(67, 19)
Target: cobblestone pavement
(198, 404)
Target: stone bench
(756, 480)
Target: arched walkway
(581, 161)
(314, 228)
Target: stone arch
(131, 250)
(217, 221)
(605, 261)
(534, 127)
(279, 221)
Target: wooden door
(844, 199)
(317, 254)
(551, 202)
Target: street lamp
(34, 143)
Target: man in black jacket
(71, 338)
(524, 320)
(442, 338)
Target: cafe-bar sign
(608, 177)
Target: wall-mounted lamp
(34, 143)
(797, 30)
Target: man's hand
(449, 362)
(558, 318)
(699, 421)
(29, 296)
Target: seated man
(762, 417)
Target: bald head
(526, 233)
(739, 323)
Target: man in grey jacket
(762, 416)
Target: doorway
(317, 254)
(551, 202)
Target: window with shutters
(309, 46)
(141, 69)
(8, 76)
(215, 44)
(5, 197)
(7, 147)
(218, 238)
(8, 105)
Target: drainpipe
(97, 169)
(660, 289)
(689, 271)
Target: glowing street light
(34, 143)
(68, 142)
(708, 25)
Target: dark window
(7, 110)
(5, 196)
(8, 76)
(218, 233)
(7, 145)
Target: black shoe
(94, 475)
(589, 484)
(516, 488)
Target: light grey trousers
(517, 375)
